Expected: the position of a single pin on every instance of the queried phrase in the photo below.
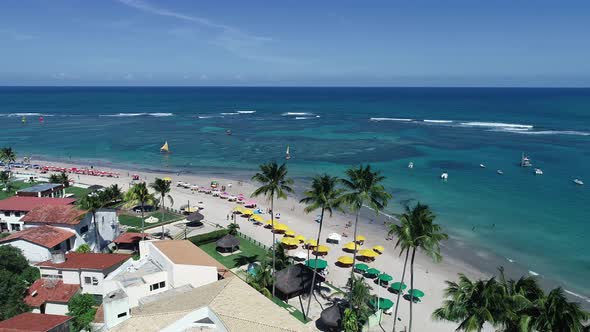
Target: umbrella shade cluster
(316, 264)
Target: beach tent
(227, 243)
(331, 317)
(295, 280)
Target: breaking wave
(391, 119)
(297, 114)
(127, 115)
(496, 125)
(246, 112)
(24, 114)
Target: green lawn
(77, 191)
(16, 185)
(134, 221)
(249, 252)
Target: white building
(38, 243)
(13, 209)
(50, 296)
(78, 221)
(85, 269)
(163, 265)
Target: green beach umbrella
(416, 293)
(318, 264)
(384, 303)
(385, 277)
(398, 286)
(361, 267)
(373, 271)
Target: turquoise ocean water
(540, 223)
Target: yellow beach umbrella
(238, 209)
(360, 238)
(289, 241)
(346, 260)
(191, 209)
(311, 242)
(167, 178)
(379, 249)
(352, 246)
(257, 218)
(368, 253)
(247, 212)
(321, 249)
(280, 227)
(290, 233)
(300, 238)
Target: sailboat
(24, 120)
(164, 148)
(287, 154)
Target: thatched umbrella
(295, 280)
(194, 219)
(332, 317)
(227, 243)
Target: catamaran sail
(287, 155)
(164, 147)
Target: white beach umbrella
(299, 255)
(335, 237)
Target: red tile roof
(26, 204)
(31, 322)
(128, 238)
(87, 261)
(48, 292)
(46, 236)
(55, 214)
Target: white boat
(287, 154)
(578, 182)
(500, 172)
(538, 171)
(525, 161)
(411, 165)
(444, 176)
(482, 165)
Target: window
(123, 314)
(87, 280)
(17, 213)
(15, 227)
(157, 285)
(83, 229)
(162, 284)
(94, 281)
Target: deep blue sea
(540, 222)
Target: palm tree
(262, 278)
(422, 233)
(520, 299)
(233, 229)
(162, 187)
(359, 300)
(274, 182)
(323, 195)
(7, 155)
(5, 179)
(61, 178)
(93, 203)
(113, 193)
(363, 187)
(404, 243)
(471, 304)
(557, 314)
(139, 193)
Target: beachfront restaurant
(43, 190)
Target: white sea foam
(230, 113)
(246, 112)
(551, 132)
(390, 119)
(533, 273)
(306, 117)
(496, 125)
(160, 114)
(297, 114)
(587, 299)
(510, 260)
(438, 121)
(24, 114)
(122, 115)
(205, 116)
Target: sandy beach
(429, 277)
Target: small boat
(228, 132)
(579, 182)
(538, 171)
(287, 154)
(411, 165)
(444, 176)
(500, 172)
(24, 120)
(525, 161)
(165, 148)
(482, 165)
(41, 119)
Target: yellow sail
(164, 147)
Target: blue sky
(276, 43)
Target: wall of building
(33, 252)
(10, 220)
(193, 275)
(139, 291)
(96, 282)
(116, 311)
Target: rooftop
(135, 273)
(185, 252)
(30, 322)
(17, 203)
(41, 187)
(87, 261)
(46, 290)
(237, 305)
(45, 236)
(55, 214)
(129, 238)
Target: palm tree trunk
(272, 222)
(162, 216)
(411, 287)
(356, 222)
(315, 266)
(142, 223)
(399, 292)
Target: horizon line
(302, 86)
